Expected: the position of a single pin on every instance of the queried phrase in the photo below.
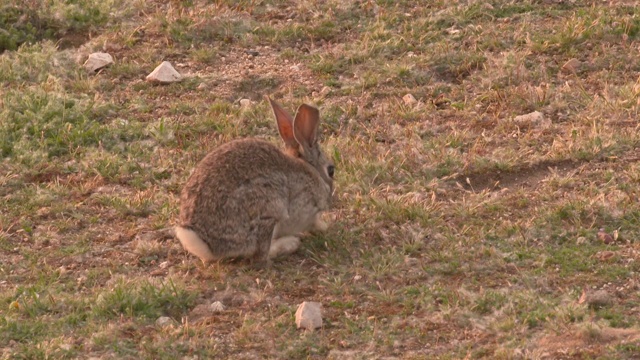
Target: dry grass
(457, 231)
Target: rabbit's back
(237, 188)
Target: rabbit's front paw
(283, 246)
(320, 224)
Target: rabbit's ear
(305, 125)
(285, 124)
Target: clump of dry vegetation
(457, 232)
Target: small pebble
(164, 74)
(97, 61)
(309, 315)
(216, 307)
(409, 99)
(163, 321)
(571, 66)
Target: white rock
(164, 74)
(534, 119)
(216, 307)
(410, 261)
(571, 66)
(325, 91)
(409, 99)
(534, 116)
(97, 61)
(163, 320)
(245, 103)
(309, 315)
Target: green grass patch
(56, 20)
(144, 300)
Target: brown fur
(246, 193)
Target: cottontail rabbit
(247, 198)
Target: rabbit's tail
(194, 244)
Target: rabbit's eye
(330, 170)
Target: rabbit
(247, 198)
